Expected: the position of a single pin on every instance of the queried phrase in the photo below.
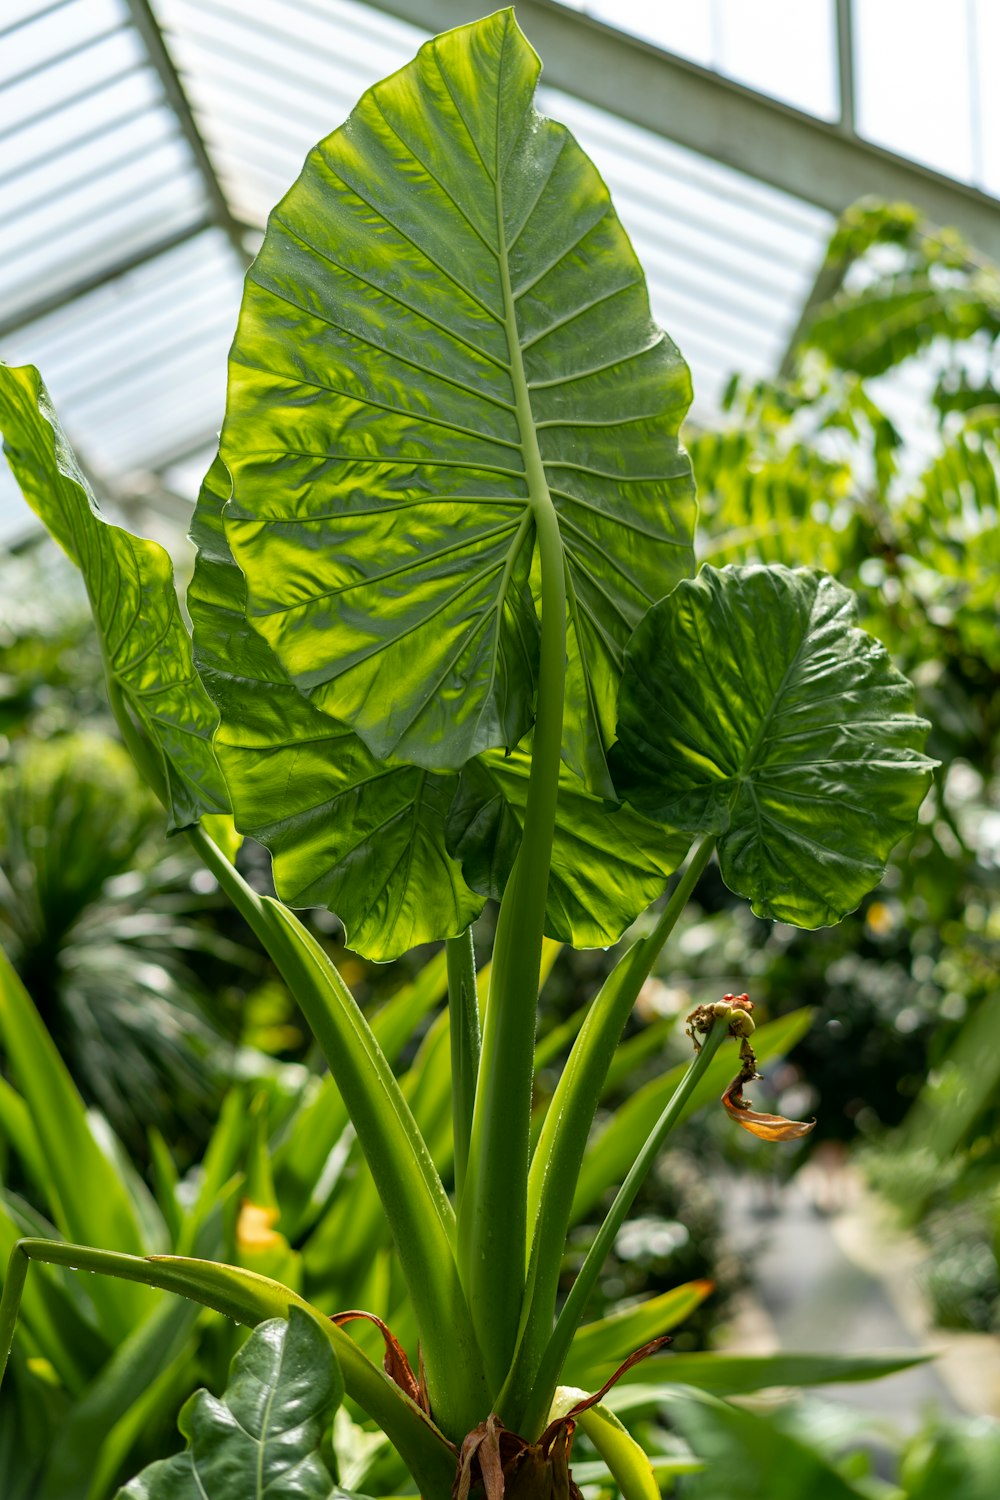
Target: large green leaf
(147, 653)
(263, 1438)
(608, 862)
(753, 707)
(445, 334)
(344, 831)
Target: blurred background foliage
(164, 1015)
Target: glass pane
(56, 32)
(913, 80)
(985, 45)
(783, 48)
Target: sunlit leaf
(608, 862)
(752, 707)
(147, 653)
(345, 832)
(598, 1347)
(445, 333)
(937, 288)
(952, 528)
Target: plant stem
(463, 1008)
(574, 1307)
(492, 1218)
(558, 1156)
(415, 1203)
(248, 1299)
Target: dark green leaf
(147, 653)
(344, 831)
(263, 1438)
(135, 1366)
(445, 333)
(752, 707)
(608, 862)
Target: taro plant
(447, 646)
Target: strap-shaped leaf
(147, 653)
(599, 1347)
(753, 707)
(446, 328)
(741, 1374)
(86, 1196)
(344, 831)
(608, 862)
(263, 1437)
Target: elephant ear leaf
(264, 1437)
(364, 839)
(445, 338)
(752, 707)
(608, 861)
(146, 648)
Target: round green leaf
(446, 331)
(263, 1438)
(752, 706)
(344, 831)
(608, 862)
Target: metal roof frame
(149, 29)
(827, 165)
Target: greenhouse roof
(143, 142)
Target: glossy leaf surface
(752, 707)
(608, 862)
(363, 839)
(263, 1437)
(146, 650)
(446, 331)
